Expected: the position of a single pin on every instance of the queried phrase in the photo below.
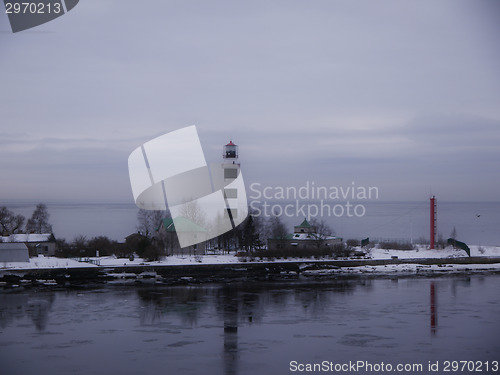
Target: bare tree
(193, 212)
(321, 231)
(149, 221)
(277, 228)
(10, 223)
(39, 221)
(80, 242)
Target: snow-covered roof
(310, 236)
(28, 237)
(306, 237)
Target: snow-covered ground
(405, 269)
(422, 251)
(42, 262)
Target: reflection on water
(248, 328)
(18, 306)
(433, 308)
(229, 301)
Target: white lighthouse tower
(231, 169)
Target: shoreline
(198, 273)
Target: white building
(304, 236)
(44, 243)
(14, 252)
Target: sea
(476, 223)
(391, 325)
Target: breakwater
(197, 273)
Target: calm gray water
(256, 328)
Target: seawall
(194, 273)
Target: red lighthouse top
(230, 151)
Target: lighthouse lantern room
(230, 151)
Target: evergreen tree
(277, 230)
(248, 233)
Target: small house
(167, 235)
(305, 236)
(37, 243)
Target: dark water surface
(254, 328)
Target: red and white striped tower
(433, 220)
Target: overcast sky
(402, 95)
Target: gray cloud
(402, 96)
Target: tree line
(11, 223)
(250, 236)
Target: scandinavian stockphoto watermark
(25, 14)
(310, 200)
(204, 200)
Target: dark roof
(135, 235)
(181, 224)
(304, 224)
